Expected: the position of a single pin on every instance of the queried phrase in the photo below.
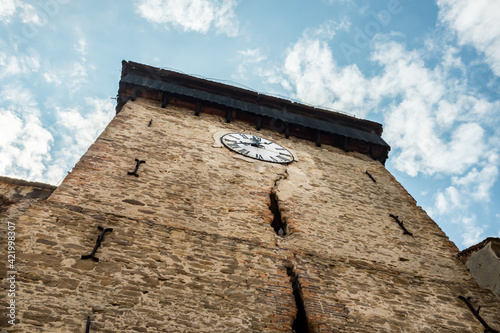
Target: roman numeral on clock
(282, 158)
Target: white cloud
(81, 46)
(448, 200)
(51, 77)
(20, 63)
(192, 15)
(476, 183)
(77, 128)
(24, 143)
(310, 72)
(472, 187)
(7, 10)
(328, 29)
(313, 74)
(26, 146)
(84, 124)
(475, 23)
(26, 151)
(11, 127)
(250, 57)
(31, 15)
(78, 73)
(20, 99)
(472, 233)
(73, 75)
(434, 119)
(423, 150)
(28, 14)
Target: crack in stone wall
(300, 322)
(278, 223)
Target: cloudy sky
(427, 70)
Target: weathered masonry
(208, 208)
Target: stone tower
(208, 208)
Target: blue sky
(427, 70)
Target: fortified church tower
(208, 208)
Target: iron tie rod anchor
(87, 327)
(487, 328)
(138, 163)
(406, 232)
(97, 244)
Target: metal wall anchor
(318, 139)
(164, 100)
(97, 244)
(139, 162)
(371, 177)
(345, 145)
(198, 108)
(475, 312)
(406, 232)
(87, 328)
(258, 125)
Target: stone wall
(16, 196)
(192, 247)
(14, 191)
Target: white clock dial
(256, 147)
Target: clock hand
(253, 144)
(257, 142)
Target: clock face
(256, 147)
